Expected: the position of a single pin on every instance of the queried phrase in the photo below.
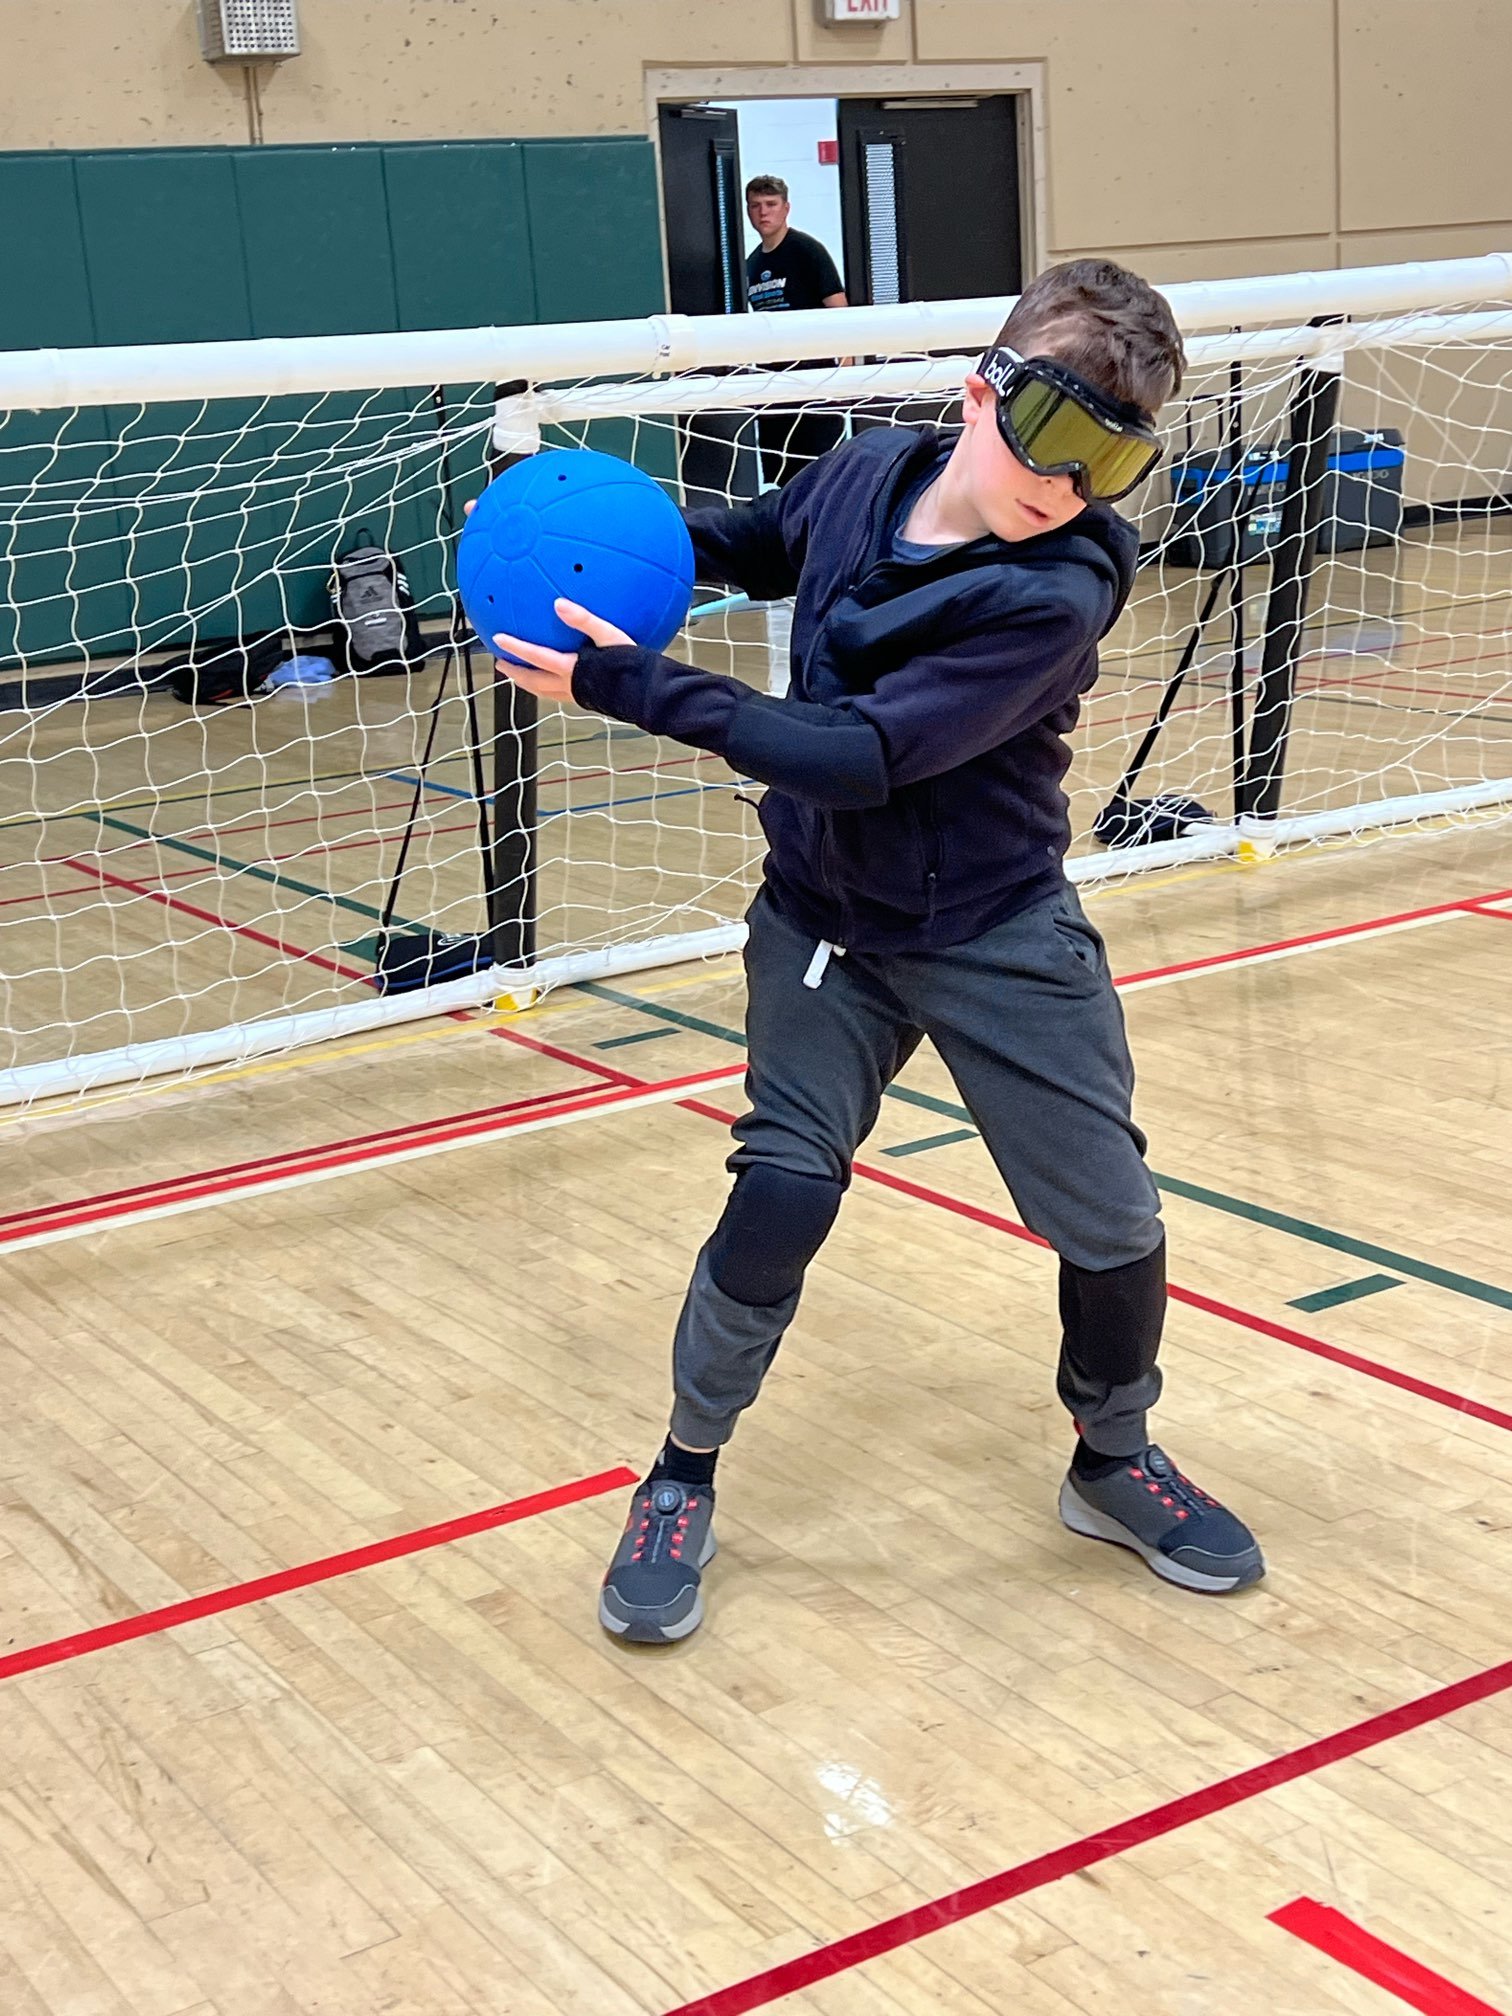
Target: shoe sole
(1091, 1524)
(645, 1630)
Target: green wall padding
(162, 240)
(45, 296)
(594, 230)
(221, 511)
(460, 235)
(316, 239)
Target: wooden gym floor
(930, 1752)
(325, 1377)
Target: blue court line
(647, 798)
(429, 784)
(1347, 1291)
(636, 1036)
(932, 1141)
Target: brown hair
(1105, 324)
(767, 185)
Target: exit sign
(863, 10)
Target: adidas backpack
(376, 628)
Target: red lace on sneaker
(656, 1530)
(1175, 1490)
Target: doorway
(930, 198)
(916, 198)
(703, 202)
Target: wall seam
(89, 286)
(252, 91)
(1338, 133)
(530, 250)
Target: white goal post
(1318, 643)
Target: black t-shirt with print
(797, 273)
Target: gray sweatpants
(1029, 1027)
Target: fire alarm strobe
(247, 31)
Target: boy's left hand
(548, 674)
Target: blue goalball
(573, 522)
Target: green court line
(229, 867)
(1347, 1291)
(266, 786)
(1341, 1242)
(932, 1141)
(637, 1036)
(1174, 1186)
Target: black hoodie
(916, 765)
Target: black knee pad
(771, 1227)
(1112, 1320)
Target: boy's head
(767, 206)
(1115, 334)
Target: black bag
(220, 671)
(376, 628)
(424, 958)
(1137, 822)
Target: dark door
(930, 198)
(703, 203)
(701, 194)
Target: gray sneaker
(1183, 1534)
(651, 1592)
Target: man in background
(789, 269)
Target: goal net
(1317, 644)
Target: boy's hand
(548, 674)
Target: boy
(951, 593)
(789, 269)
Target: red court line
(322, 1157)
(1460, 1403)
(1482, 909)
(207, 873)
(1362, 1952)
(227, 832)
(53, 1219)
(326, 814)
(873, 1941)
(870, 1943)
(554, 776)
(148, 1622)
(1191, 1298)
(1374, 681)
(212, 917)
(1423, 1389)
(165, 1187)
(1337, 931)
(601, 1070)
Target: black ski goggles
(1058, 425)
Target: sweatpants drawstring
(820, 960)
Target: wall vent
(245, 31)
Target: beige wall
(1197, 137)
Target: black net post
(1234, 432)
(512, 907)
(1314, 414)
(512, 883)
